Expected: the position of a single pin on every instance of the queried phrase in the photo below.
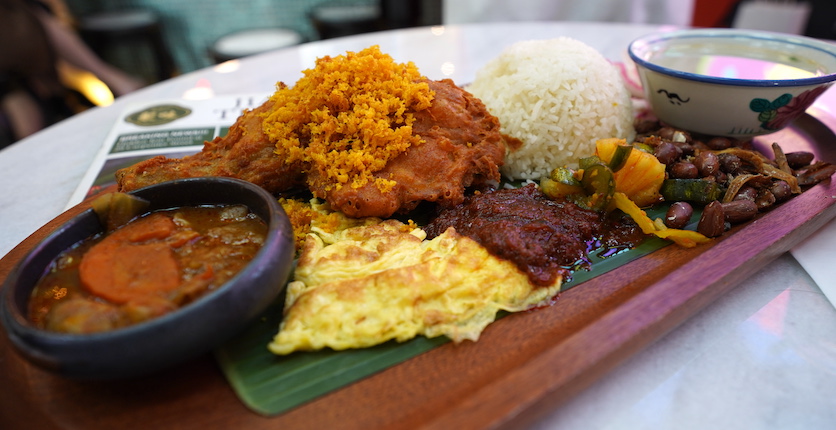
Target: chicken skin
(244, 153)
(462, 147)
(372, 150)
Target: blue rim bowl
(700, 79)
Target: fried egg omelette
(366, 285)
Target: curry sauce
(149, 267)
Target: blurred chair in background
(329, 19)
(136, 31)
(673, 12)
(822, 20)
(814, 18)
(783, 17)
(338, 19)
(410, 13)
(253, 41)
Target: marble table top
(761, 357)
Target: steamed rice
(558, 97)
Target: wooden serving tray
(523, 366)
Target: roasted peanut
(738, 211)
(765, 199)
(685, 148)
(684, 170)
(700, 145)
(707, 163)
(719, 143)
(781, 190)
(713, 221)
(730, 163)
(678, 215)
(747, 193)
(666, 133)
(644, 126)
(799, 159)
(667, 152)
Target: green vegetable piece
(599, 185)
(587, 162)
(619, 158)
(641, 146)
(116, 209)
(560, 183)
(698, 191)
(564, 175)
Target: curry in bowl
(151, 266)
(111, 305)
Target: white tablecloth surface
(761, 357)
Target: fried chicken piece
(462, 147)
(244, 153)
(367, 135)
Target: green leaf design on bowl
(768, 110)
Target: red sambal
(544, 238)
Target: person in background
(38, 47)
(822, 22)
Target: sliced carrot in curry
(154, 226)
(123, 267)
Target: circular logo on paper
(158, 115)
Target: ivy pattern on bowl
(776, 114)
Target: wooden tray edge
(559, 372)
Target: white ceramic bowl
(731, 82)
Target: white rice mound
(558, 97)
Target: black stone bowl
(172, 338)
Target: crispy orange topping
(302, 216)
(317, 217)
(348, 116)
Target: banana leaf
(270, 384)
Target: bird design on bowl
(674, 98)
